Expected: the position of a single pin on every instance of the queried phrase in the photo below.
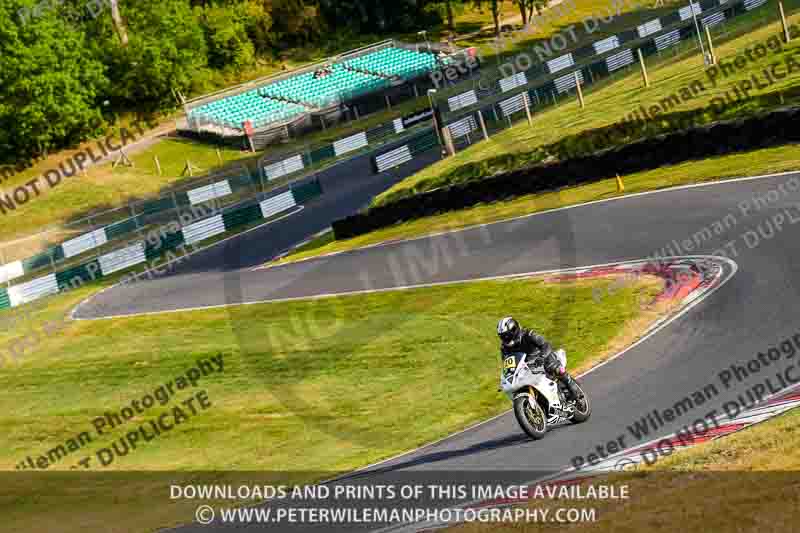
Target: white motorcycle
(539, 402)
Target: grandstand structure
(317, 95)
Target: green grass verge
(627, 14)
(744, 482)
(117, 359)
(780, 159)
(395, 347)
(314, 243)
(605, 105)
(102, 188)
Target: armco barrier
(534, 82)
(277, 204)
(284, 167)
(11, 271)
(287, 165)
(170, 241)
(141, 252)
(121, 229)
(128, 228)
(393, 158)
(32, 290)
(307, 191)
(209, 192)
(85, 242)
(78, 275)
(5, 301)
(769, 129)
(350, 144)
(589, 142)
(398, 155)
(236, 180)
(546, 80)
(42, 260)
(122, 259)
(204, 229)
(242, 217)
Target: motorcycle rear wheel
(530, 416)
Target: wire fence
(153, 253)
(473, 110)
(59, 247)
(545, 64)
(503, 102)
(296, 164)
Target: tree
(260, 26)
(496, 16)
(68, 67)
(228, 43)
(378, 16)
(495, 7)
(167, 50)
(523, 10)
(450, 23)
(119, 25)
(529, 8)
(50, 88)
(295, 23)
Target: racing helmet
(509, 331)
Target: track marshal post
(644, 68)
(786, 35)
(527, 108)
(483, 125)
(579, 90)
(711, 54)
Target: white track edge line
(383, 289)
(183, 257)
(649, 333)
(708, 291)
(538, 213)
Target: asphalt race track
(343, 195)
(754, 310)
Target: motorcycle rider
(515, 339)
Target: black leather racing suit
(534, 344)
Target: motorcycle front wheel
(530, 416)
(583, 409)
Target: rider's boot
(573, 391)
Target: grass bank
(609, 103)
(102, 187)
(283, 389)
(113, 360)
(743, 482)
(780, 159)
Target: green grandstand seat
(276, 101)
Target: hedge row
(758, 131)
(589, 141)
